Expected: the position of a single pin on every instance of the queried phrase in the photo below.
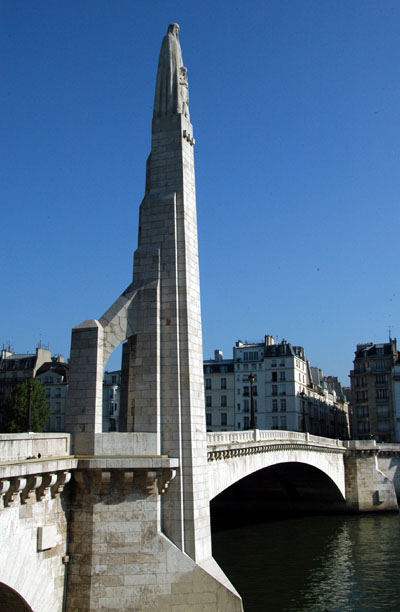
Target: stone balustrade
(251, 436)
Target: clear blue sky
(295, 106)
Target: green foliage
(15, 419)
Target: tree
(15, 415)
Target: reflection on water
(315, 564)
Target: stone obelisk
(140, 530)
(166, 393)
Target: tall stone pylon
(163, 413)
(166, 392)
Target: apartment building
(219, 390)
(372, 398)
(274, 384)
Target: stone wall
(119, 560)
(33, 542)
(368, 488)
(27, 445)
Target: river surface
(343, 563)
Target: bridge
(120, 522)
(42, 485)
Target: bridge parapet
(234, 455)
(14, 447)
(226, 438)
(31, 481)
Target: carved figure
(172, 90)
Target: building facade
(276, 382)
(373, 391)
(111, 400)
(219, 389)
(54, 376)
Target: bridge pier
(368, 489)
(119, 557)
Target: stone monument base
(120, 561)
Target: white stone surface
(27, 445)
(237, 455)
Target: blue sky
(295, 107)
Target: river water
(342, 563)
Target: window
(283, 405)
(381, 394)
(273, 363)
(274, 405)
(382, 411)
(274, 376)
(381, 379)
(274, 389)
(383, 426)
(246, 405)
(282, 375)
(224, 419)
(208, 383)
(283, 422)
(246, 391)
(111, 408)
(363, 427)
(380, 364)
(282, 389)
(282, 363)
(238, 425)
(238, 407)
(362, 411)
(208, 419)
(113, 380)
(223, 401)
(250, 355)
(246, 423)
(208, 401)
(238, 391)
(58, 423)
(274, 422)
(223, 383)
(361, 381)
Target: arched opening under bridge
(11, 601)
(290, 488)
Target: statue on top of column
(172, 90)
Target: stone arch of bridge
(11, 600)
(223, 473)
(280, 489)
